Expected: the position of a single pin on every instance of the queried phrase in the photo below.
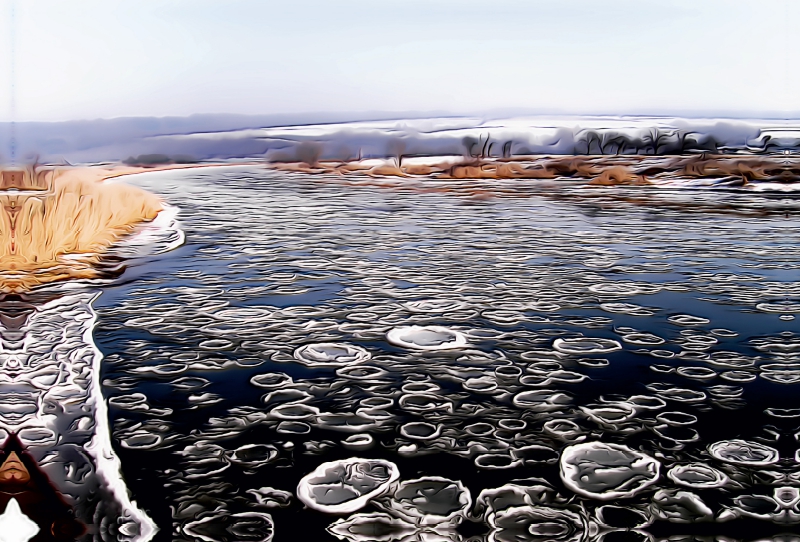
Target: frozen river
(326, 360)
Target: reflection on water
(59, 465)
(360, 363)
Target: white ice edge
(162, 227)
(109, 467)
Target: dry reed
(62, 231)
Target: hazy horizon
(354, 116)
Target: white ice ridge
(158, 236)
(107, 462)
(50, 396)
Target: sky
(86, 59)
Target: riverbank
(605, 170)
(57, 222)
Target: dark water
(587, 365)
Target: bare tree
(507, 149)
(469, 143)
(396, 149)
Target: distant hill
(119, 138)
(150, 140)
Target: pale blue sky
(90, 59)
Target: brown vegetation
(388, 169)
(62, 230)
(618, 175)
(596, 170)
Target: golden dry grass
(618, 175)
(62, 231)
(387, 169)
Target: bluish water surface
(549, 364)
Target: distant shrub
(148, 160)
(309, 153)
